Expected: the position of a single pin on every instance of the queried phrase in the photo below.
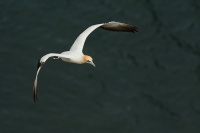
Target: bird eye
(88, 60)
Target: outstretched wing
(39, 66)
(112, 26)
(80, 40)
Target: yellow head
(88, 59)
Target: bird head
(88, 59)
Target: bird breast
(73, 58)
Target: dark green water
(146, 82)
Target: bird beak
(92, 63)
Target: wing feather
(39, 66)
(80, 40)
(118, 26)
(111, 26)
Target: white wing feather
(112, 26)
(80, 40)
(40, 63)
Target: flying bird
(75, 54)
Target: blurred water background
(145, 82)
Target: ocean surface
(144, 82)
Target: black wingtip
(39, 64)
(119, 27)
(34, 95)
(135, 29)
(130, 28)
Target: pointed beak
(92, 63)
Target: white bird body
(73, 57)
(75, 54)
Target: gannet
(75, 54)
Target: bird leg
(55, 57)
